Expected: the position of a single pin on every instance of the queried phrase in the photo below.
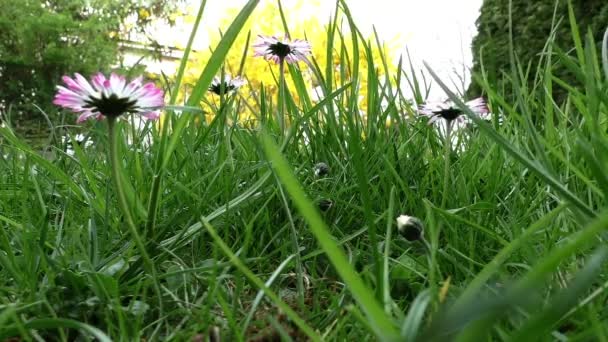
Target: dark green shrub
(532, 24)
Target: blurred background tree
(42, 40)
(532, 24)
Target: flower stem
(447, 150)
(281, 115)
(124, 207)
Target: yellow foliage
(303, 22)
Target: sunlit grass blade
(160, 159)
(381, 323)
(605, 53)
(477, 283)
(213, 65)
(521, 292)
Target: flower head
(111, 97)
(449, 111)
(278, 50)
(410, 227)
(227, 85)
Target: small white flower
(448, 110)
(228, 85)
(278, 50)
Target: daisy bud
(325, 204)
(321, 169)
(410, 227)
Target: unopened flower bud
(321, 169)
(325, 204)
(411, 228)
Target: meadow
(203, 227)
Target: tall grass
(244, 244)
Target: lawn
(200, 226)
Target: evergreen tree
(531, 25)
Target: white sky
(436, 31)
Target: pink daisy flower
(278, 50)
(448, 110)
(111, 97)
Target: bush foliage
(532, 24)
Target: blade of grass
(413, 320)
(539, 324)
(213, 65)
(55, 323)
(160, 159)
(260, 284)
(381, 323)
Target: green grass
(230, 217)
